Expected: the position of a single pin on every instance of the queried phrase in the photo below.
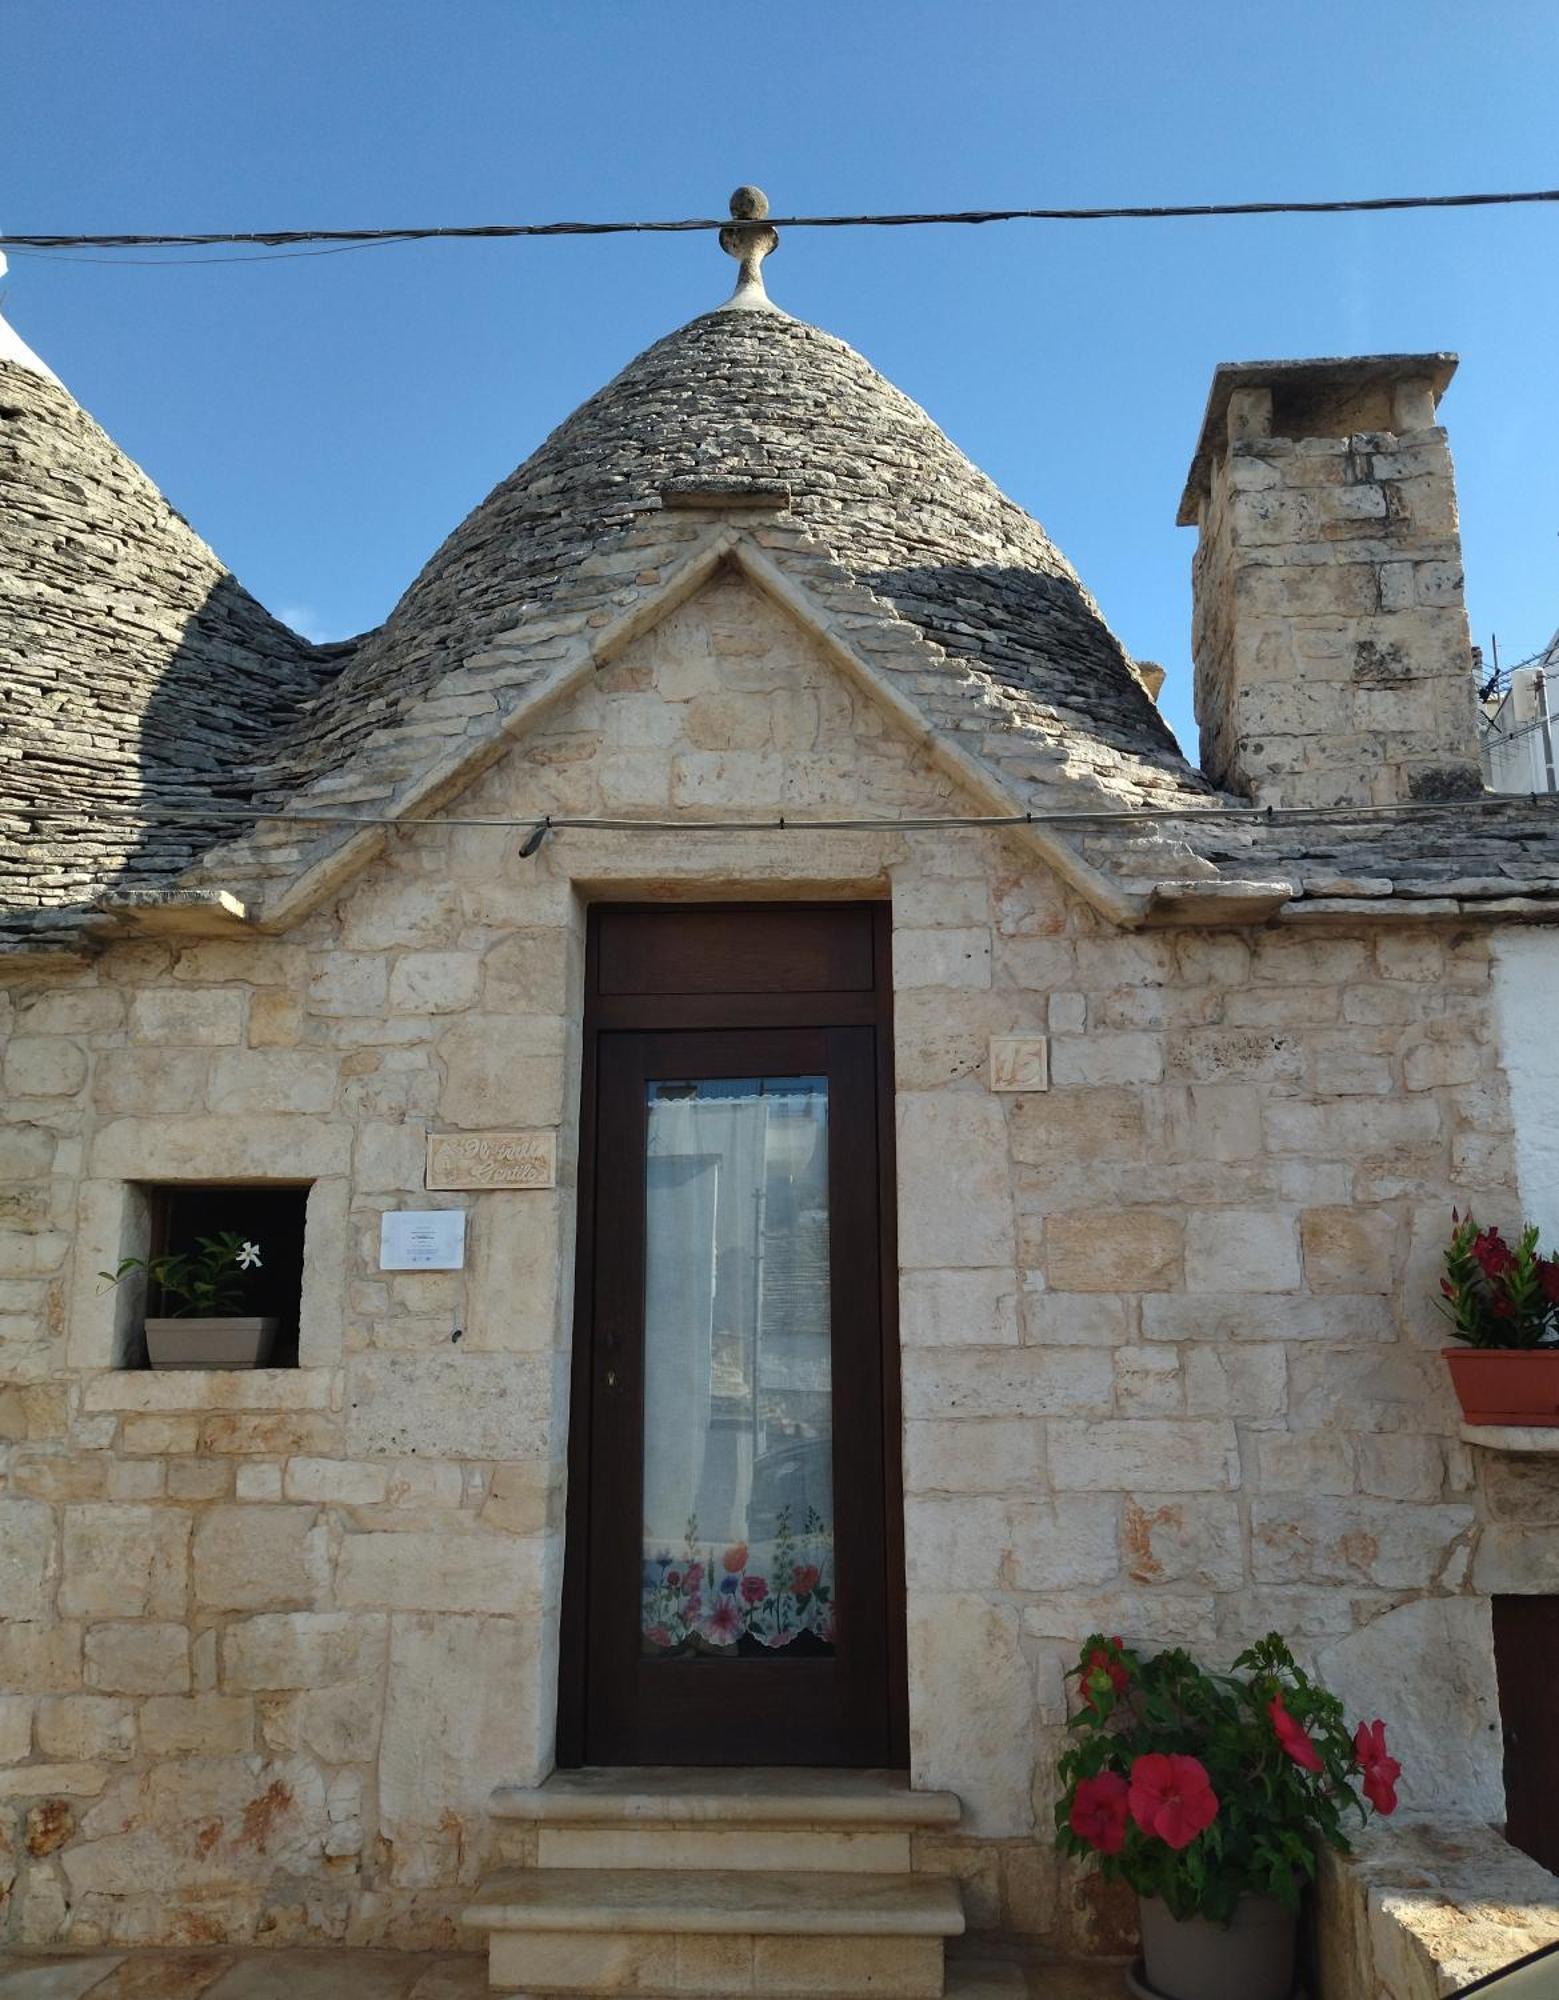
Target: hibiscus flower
(725, 1623)
(1172, 1798)
(1381, 1771)
(1099, 1811)
(1292, 1737)
(754, 1589)
(735, 1558)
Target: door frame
(602, 1013)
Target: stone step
(660, 1932)
(674, 1795)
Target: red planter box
(1506, 1385)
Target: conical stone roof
(138, 679)
(760, 398)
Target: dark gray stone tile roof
(763, 400)
(138, 679)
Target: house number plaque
(492, 1160)
(1018, 1062)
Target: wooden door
(734, 1587)
(1526, 1646)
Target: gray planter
(228, 1342)
(1252, 1960)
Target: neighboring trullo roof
(137, 676)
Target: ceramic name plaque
(492, 1160)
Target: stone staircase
(670, 1882)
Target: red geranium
(1172, 1798)
(1292, 1737)
(1099, 1811)
(1381, 1771)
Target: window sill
(1523, 1439)
(216, 1389)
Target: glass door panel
(738, 1507)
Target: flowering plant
(1200, 1788)
(208, 1283)
(1499, 1294)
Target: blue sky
(324, 422)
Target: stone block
(451, 1404)
(942, 958)
(434, 982)
(953, 1142)
(1102, 1060)
(992, 1455)
(1148, 1381)
(340, 1482)
(521, 1248)
(1007, 1382)
(429, 1570)
(132, 1658)
(1352, 1541)
(1170, 1455)
(1072, 1125)
(440, 1750)
(124, 1561)
(972, 1308)
(527, 972)
(259, 1558)
(1126, 1250)
(302, 1649)
(33, 1781)
(972, 1708)
(1248, 1381)
(1350, 1249)
(389, 909)
(1241, 1250)
(44, 1066)
(192, 1018)
(27, 1565)
(149, 1080)
(272, 1080)
(523, 1498)
(82, 1727)
(16, 1726)
(197, 1725)
(1072, 1319)
(501, 1072)
(1174, 1539)
(275, 1020)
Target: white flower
(249, 1257)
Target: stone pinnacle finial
(749, 238)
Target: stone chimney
(1333, 661)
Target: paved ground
(397, 1975)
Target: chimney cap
(1335, 374)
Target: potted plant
(202, 1292)
(1209, 1794)
(1502, 1300)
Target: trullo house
(803, 1160)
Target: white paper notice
(431, 1239)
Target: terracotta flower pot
(1251, 1959)
(228, 1342)
(1506, 1385)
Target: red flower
(695, 1575)
(1493, 1253)
(804, 1577)
(1548, 1278)
(673, 1579)
(735, 1558)
(1099, 1810)
(754, 1589)
(1381, 1771)
(1172, 1798)
(1102, 1669)
(1292, 1737)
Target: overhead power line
(272, 239)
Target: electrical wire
(273, 239)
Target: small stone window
(272, 1218)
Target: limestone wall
(1168, 1348)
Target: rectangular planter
(1506, 1385)
(228, 1342)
